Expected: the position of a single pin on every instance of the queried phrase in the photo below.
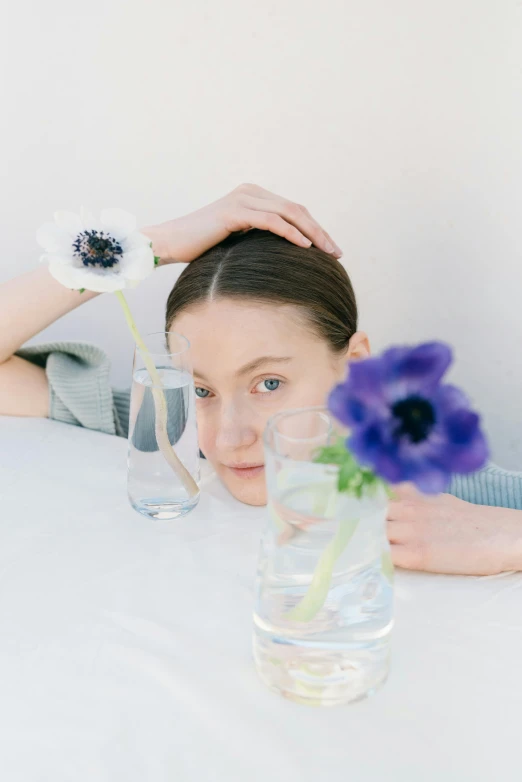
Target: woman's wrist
(158, 235)
(185, 238)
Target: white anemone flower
(108, 255)
(104, 255)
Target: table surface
(125, 645)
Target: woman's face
(250, 361)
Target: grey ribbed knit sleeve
(79, 386)
(490, 486)
(80, 394)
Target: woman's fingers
(337, 250)
(399, 531)
(256, 198)
(405, 557)
(268, 221)
(404, 515)
(300, 218)
(401, 510)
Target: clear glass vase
(163, 455)
(324, 594)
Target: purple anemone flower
(404, 423)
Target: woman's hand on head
(247, 206)
(443, 534)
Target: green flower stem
(160, 405)
(317, 592)
(387, 568)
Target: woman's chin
(251, 492)
(255, 501)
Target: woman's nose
(237, 429)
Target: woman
(272, 321)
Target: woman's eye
(270, 384)
(202, 392)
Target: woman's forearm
(30, 303)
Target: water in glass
(324, 596)
(154, 489)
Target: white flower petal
(52, 238)
(118, 222)
(74, 278)
(67, 275)
(104, 282)
(137, 264)
(69, 222)
(89, 221)
(135, 240)
(62, 258)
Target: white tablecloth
(125, 645)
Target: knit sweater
(80, 394)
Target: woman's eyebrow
(252, 365)
(257, 362)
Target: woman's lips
(246, 471)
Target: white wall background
(399, 124)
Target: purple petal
(367, 442)
(462, 426)
(463, 447)
(447, 399)
(337, 404)
(415, 370)
(365, 380)
(357, 411)
(426, 363)
(374, 448)
(345, 408)
(360, 397)
(390, 468)
(432, 480)
(468, 457)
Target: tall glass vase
(163, 455)
(324, 595)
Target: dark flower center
(96, 248)
(416, 418)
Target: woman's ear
(358, 347)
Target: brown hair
(262, 266)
